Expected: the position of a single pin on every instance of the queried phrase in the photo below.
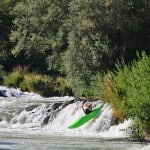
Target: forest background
(97, 49)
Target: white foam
(14, 93)
(121, 130)
(32, 120)
(147, 147)
(4, 124)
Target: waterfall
(33, 113)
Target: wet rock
(55, 106)
(46, 120)
(3, 93)
(30, 108)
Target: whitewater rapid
(30, 112)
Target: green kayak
(86, 118)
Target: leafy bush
(34, 82)
(41, 84)
(14, 79)
(104, 87)
(23, 86)
(128, 92)
(1, 75)
(63, 87)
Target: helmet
(89, 104)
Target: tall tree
(88, 50)
(128, 27)
(35, 31)
(6, 17)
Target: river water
(31, 122)
(28, 141)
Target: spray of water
(29, 111)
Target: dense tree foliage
(128, 22)
(88, 48)
(74, 37)
(6, 17)
(35, 31)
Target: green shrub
(104, 87)
(14, 79)
(23, 86)
(41, 84)
(128, 91)
(138, 94)
(2, 74)
(34, 82)
(62, 87)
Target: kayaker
(88, 108)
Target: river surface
(28, 141)
(31, 122)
